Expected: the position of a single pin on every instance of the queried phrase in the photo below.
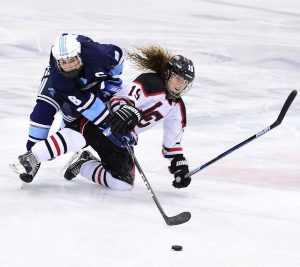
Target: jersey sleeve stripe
(88, 103)
(38, 132)
(38, 125)
(96, 110)
(116, 71)
(101, 117)
(50, 101)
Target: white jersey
(148, 93)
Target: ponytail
(153, 58)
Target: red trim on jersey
(118, 99)
(173, 149)
(146, 94)
(182, 111)
(55, 144)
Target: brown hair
(153, 58)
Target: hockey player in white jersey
(153, 97)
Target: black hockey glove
(123, 120)
(179, 168)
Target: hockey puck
(177, 247)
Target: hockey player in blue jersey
(81, 76)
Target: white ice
(245, 208)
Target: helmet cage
(182, 67)
(65, 47)
(182, 92)
(77, 57)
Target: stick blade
(286, 106)
(178, 219)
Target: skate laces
(76, 169)
(85, 156)
(29, 161)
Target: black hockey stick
(278, 121)
(174, 220)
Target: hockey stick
(278, 121)
(174, 220)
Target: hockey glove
(123, 120)
(179, 168)
(111, 86)
(120, 140)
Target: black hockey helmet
(183, 67)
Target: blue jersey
(84, 95)
(100, 62)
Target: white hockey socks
(94, 171)
(62, 142)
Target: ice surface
(245, 208)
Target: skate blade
(72, 159)
(17, 167)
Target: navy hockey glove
(111, 86)
(120, 140)
(123, 120)
(179, 168)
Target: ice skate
(74, 169)
(27, 167)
